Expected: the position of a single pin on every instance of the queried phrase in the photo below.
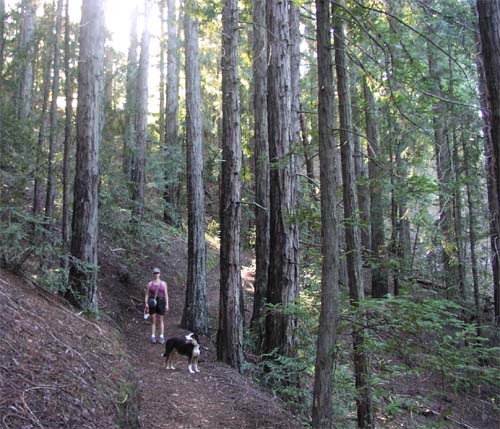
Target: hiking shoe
(153, 340)
(162, 340)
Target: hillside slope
(60, 369)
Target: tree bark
(322, 408)
(42, 134)
(380, 285)
(129, 138)
(83, 271)
(68, 129)
(27, 50)
(261, 160)
(352, 233)
(230, 334)
(2, 38)
(171, 214)
(444, 177)
(195, 316)
(141, 122)
(283, 286)
(489, 30)
(53, 132)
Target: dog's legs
(196, 364)
(190, 367)
(170, 361)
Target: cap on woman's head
(156, 271)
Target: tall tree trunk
(2, 38)
(322, 408)
(261, 160)
(380, 285)
(283, 286)
(171, 213)
(230, 334)
(489, 30)
(53, 132)
(472, 233)
(163, 48)
(27, 49)
(141, 122)
(195, 316)
(68, 129)
(353, 239)
(42, 131)
(129, 137)
(444, 177)
(360, 168)
(83, 271)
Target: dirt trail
(216, 397)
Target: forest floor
(58, 369)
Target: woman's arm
(166, 295)
(146, 297)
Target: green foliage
(286, 377)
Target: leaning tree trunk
(51, 180)
(141, 122)
(283, 286)
(322, 408)
(489, 30)
(352, 233)
(195, 316)
(230, 333)
(171, 213)
(261, 160)
(83, 271)
(27, 50)
(68, 92)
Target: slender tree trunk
(444, 176)
(53, 132)
(322, 408)
(309, 160)
(360, 168)
(472, 234)
(171, 214)
(195, 316)
(2, 38)
(42, 131)
(141, 122)
(129, 138)
(353, 239)
(380, 285)
(68, 129)
(163, 48)
(83, 272)
(283, 286)
(261, 160)
(230, 334)
(27, 50)
(489, 30)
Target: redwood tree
(195, 316)
(230, 333)
(83, 272)
(283, 286)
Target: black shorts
(159, 308)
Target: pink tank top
(154, 287)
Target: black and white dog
(188, 346)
